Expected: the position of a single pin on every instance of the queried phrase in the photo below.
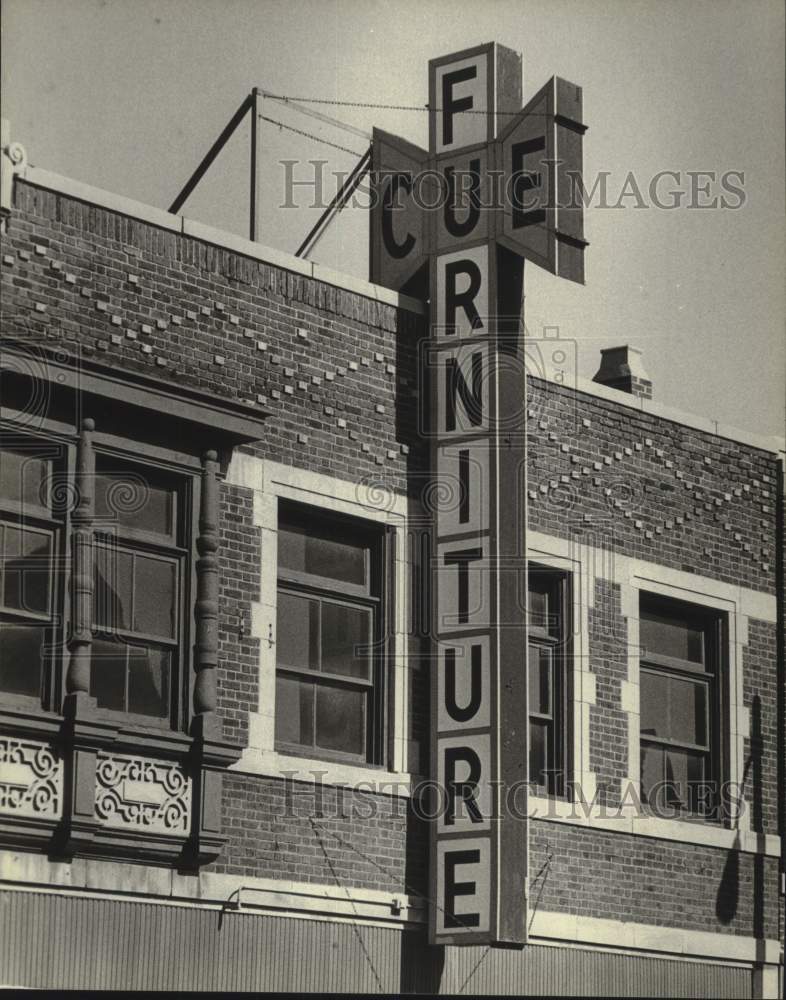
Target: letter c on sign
(396, 250)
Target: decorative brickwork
(162, 302)
(658, 490)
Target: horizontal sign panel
(539, 157)
(397, 227)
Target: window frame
(712, 674)
(373, 596)
(176, 467)
(180, 551)
(54, 519)
(556, 637)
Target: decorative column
(83, 733)
(210, 754)
(206, 607)
(80, 639)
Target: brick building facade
(269, 408)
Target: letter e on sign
(463, 890)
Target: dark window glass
(673, 708)
(137, 593)
(26, 569)
(154, 596)
(126, 677)
(21, 658)
(294, 711)
(308, 551)
(538, 603)
(148, 680)
(29, 586)
(25, 479)
(667, 635)
(341, 717)
(134, 499)
(540, 680)
(108, 673)
(547, 680)
(328, 689)
(113, 588)
(680, 706)
(298, 631)
(346, 635)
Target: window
(30, 538)
(680, 705)
(139, 565)
(547, 679)
(140, 570)
(328, 669)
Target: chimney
(621, 368)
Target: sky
(128, 95)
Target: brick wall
(336, 369)
(338, 373)
(608, 723)
(619, 876)
(240, 575)
(651, 488)
(760, 697)
(319, 833)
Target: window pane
(671, 778)
(684, 770)
(673, 708)
(21, 658)
(297, 632)
(26, 565)
(670, 635)
(654, 704)
(539, 667)
(294, 711)
(114, 578)
(651, 774)
(539, 752)
(131, 500)
(538, 603)
(687, 711)
(24, 479)
(307, 552)
(345, 631)
(341, 716)
(148, 681)
(108, 674)
(154, 596)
